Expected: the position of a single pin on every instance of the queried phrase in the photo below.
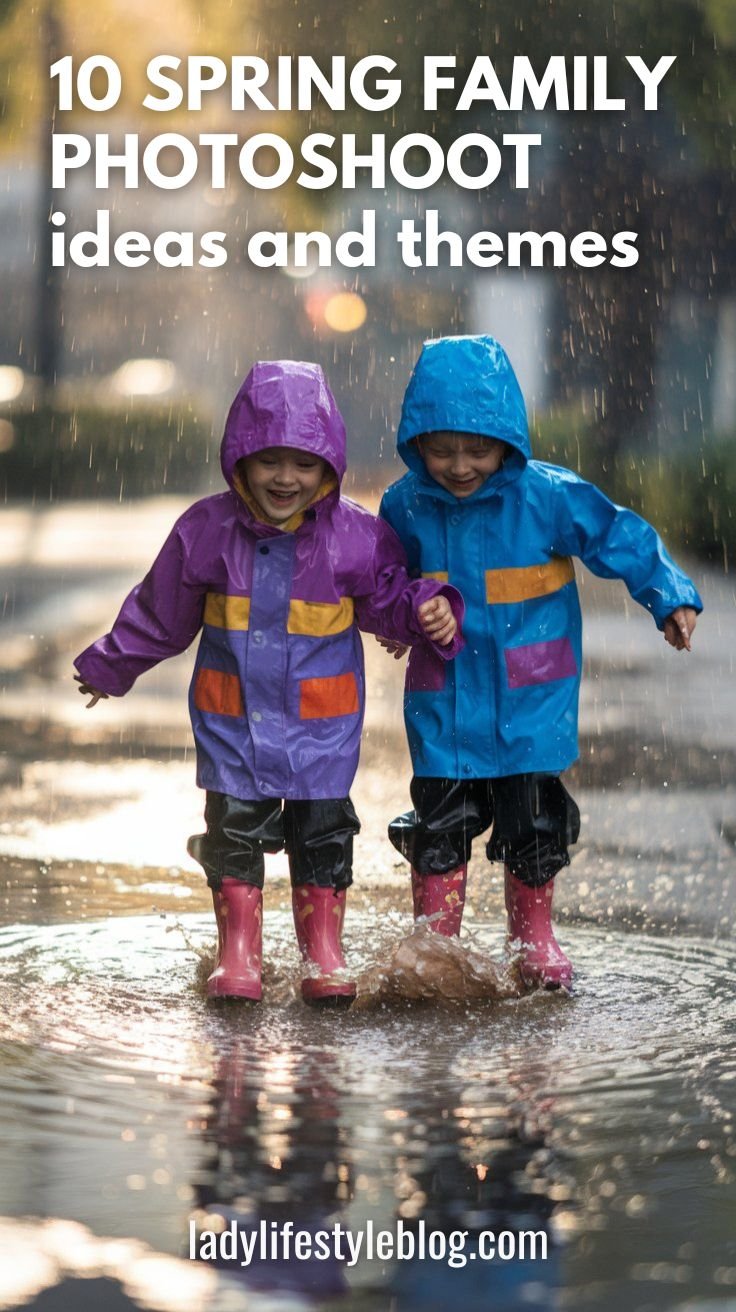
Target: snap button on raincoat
(278, 692)
(509, 703)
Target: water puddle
(142, 1116)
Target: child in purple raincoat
(280, 572)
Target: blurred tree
(131, 31)
(32, 38)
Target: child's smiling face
(282, 480)
(460, 462)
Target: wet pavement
(130, 1108)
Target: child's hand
(394, 649)
(438, 621)
(87, 690)
(678, 627)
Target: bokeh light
(12, 381)
(144, 377)
(346, 312)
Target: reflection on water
(130, 1107)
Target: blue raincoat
(508, 704)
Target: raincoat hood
(283, 403)
(464, 385)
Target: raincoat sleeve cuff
(457, 606)
(97, 671)
(687, 596)
(392, 611)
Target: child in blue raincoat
(490, 733)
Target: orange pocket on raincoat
(218, 693)
(336, 694)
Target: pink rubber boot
(445, 893)
(318, 917)
(239, 912)
(542, 960)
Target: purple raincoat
(278, 692)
